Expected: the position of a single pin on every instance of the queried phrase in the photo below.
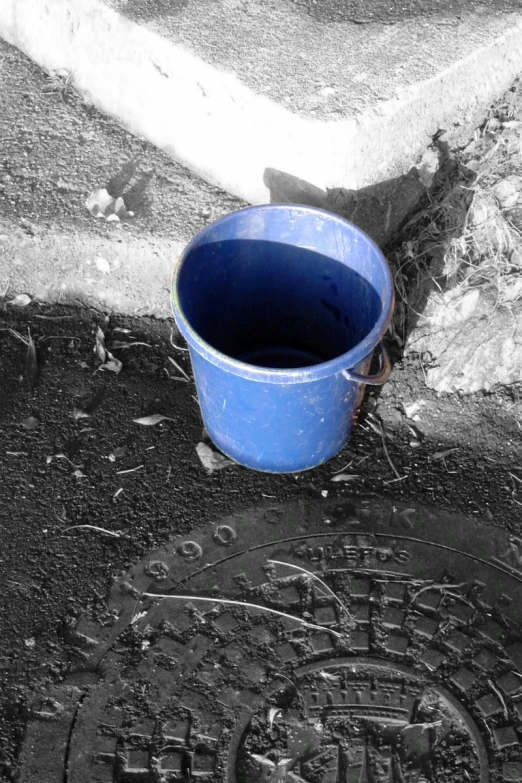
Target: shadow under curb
(411, 218)
(379, 210)
(397, 214)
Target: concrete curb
(207, 119)
(134, 279)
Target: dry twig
(245, 605)
(94, 527)
(316, 578)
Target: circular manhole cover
(355, 641)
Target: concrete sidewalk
(252, 94)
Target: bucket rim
(345, 361)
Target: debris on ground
(22, 300)
(212, 460)
(152, 420)
(108, 361)
(458, 266)
(31, 423)
(31, 362)
(60, 82)
(130, 480)
(101, 205)
(344, 477)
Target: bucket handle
(374, 380)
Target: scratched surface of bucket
(281, 306)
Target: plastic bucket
(282, 306)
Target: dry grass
(469, 233)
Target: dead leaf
(179, 368)
(112, 364)
(60, 455)
(442, 454)
(78, 414)
(31, 363)
(152, 420)
(344, 477)
(119, 346)
(78, 474)
(212, 460)
(263, 760)
(120, 451)
(108, 361)
(31, 423)
(22, 300)
(273, 713)
(329, 677)
(99, 347)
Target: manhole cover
(355, 641)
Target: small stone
(507, 191)
(102, 265)
(412, 408)
(3, 237)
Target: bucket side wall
(279, 428)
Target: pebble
(102, 265)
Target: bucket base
(281, 357)
(261, 466)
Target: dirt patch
(86, 491)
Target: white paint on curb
(208, 120)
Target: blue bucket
(282, 306)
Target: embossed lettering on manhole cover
(328, 643)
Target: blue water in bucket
(282, 307)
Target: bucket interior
(277, 305)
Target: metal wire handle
(374, 380)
